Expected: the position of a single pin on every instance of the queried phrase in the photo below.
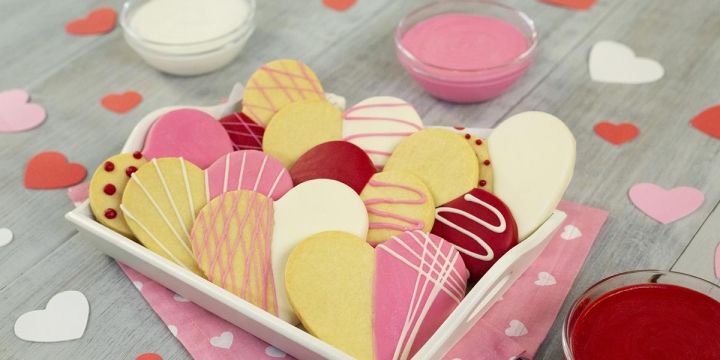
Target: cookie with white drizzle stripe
(481, 227)
(160, 203)
(248, 170)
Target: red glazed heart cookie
(334, 160)
(243, 131)
(480, 226)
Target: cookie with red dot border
(480, 148)
(107, 187)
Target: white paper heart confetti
(516, 328)
(613, 62)
(180, 298)
(224, 341)
(173, 330)
(545, 279)
(6, 236)
(138, 285)
(64, 318)
(571, 232)
(272, 351)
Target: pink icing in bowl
(466, 50)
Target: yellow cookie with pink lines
(161, 201)
(231, 242)
(277, 84)
(299, 127)
(107, 187)
(480, 148)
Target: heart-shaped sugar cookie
(245, 133)
(231, 242)
(247, 170)
(161, 201)
(277, 84)
(310, 208)
(533, 157)
(334, 160)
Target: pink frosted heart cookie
(420, 279)
(247, 170)
(191, 134)
(378, 124)
(481, 227)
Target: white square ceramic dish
(271, 329)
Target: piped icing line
(458, 285)
(365, 135)
(152, 236)
(135, 178)
(307, 77)
(415, 224)
(496, 229)
(445, 272)
(169, 196)
(250, 133)
(191, 205)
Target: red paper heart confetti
(616, 134)
(339, 5)
(149, 356)
(121, 103)
(50, 170)
(572, 4)
(708, 121)
(98, 21)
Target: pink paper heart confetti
(665, 206)
(17, 114)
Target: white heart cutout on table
(531, 173)
(516, 328)
(6, 236)
(138, 285)
(180, 298)
(173, 330)
(224, 341)
(613, 62)
(65, 318)
(272, 351)
(545, 279)
(571, 232)
(310, 208)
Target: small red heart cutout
(149, 356)
(50, 170)
(98, 21)
(616, 134)
(339, 5)
(572, 4)
(708, 121)
(121, 103)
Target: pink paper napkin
(513, 327)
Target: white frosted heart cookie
(441, 159)
(533, 156)
(378, 124)
(309, 208)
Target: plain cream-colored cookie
(441, 159)
(299, 127)
(107, 187)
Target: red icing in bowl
(648, 321)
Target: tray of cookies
(331, 233)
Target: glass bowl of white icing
(187, 37)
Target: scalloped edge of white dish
(271, 329)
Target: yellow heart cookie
(107, 187)
(161, 202)
(480, 147)
(276, 84)
(441, 159)
(299, 127)
(231, 241)
(329, 282)
(396, 202)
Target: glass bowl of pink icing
(466, 51)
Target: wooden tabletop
(353, 54)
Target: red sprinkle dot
(467, 136)
(110, 213)
(486, 162)
(483, 182)
(109, 189)
(137, 155)
(130, 170)
(478, 142)
(109, 166)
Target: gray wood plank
(699, 257)
(121, 324)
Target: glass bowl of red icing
(646, 314)
(466, 51)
